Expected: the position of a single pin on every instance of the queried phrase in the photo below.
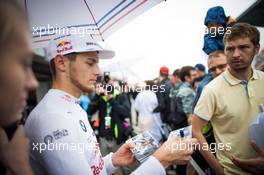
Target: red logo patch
(64, 46)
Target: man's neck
(244, 74)
(177, 82)
(162, 78)
(66, 87)
(188, 83)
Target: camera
(106, 77)
(106, 85)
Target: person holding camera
(114, 109)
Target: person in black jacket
(163, 94)
(113, 108)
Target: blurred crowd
(219, 100)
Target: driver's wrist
(161, 159)
(114, 160)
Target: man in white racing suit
(62, 140)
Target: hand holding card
(144, 146)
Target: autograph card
(144, 146)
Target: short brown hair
(185, 71)
(241, 30)
(149, 84)
(71, 56)
(177, 73)
(216, 54)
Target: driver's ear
(60, 63)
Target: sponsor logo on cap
(64, 46)
(93, 44)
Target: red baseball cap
(164, 70)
